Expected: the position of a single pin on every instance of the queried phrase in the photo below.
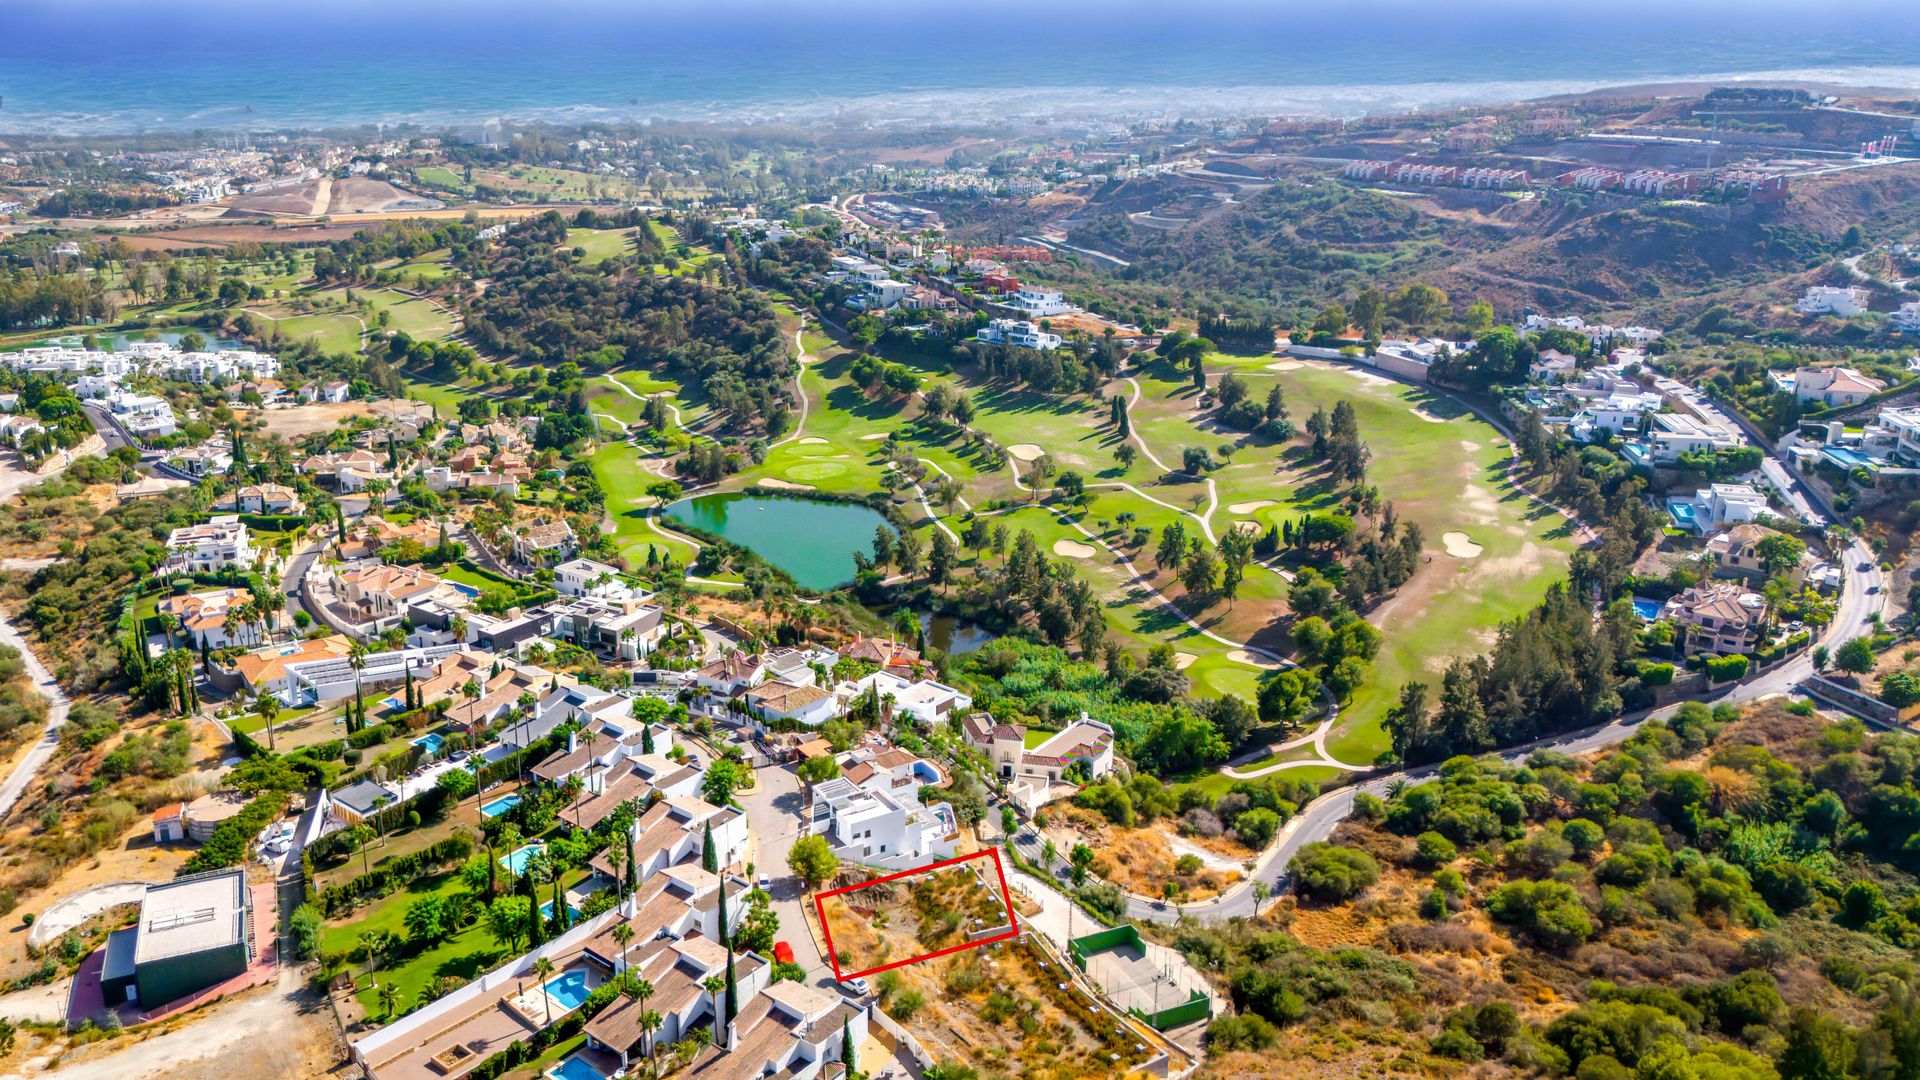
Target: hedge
(1657, 674)
(228, 844)
(369, 736)
(1727, 668)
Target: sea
(97, 67)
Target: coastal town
(1423, 593)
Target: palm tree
(389, 994)
(649, 1024)
(525, 703)
(268, 708)
(543, 967)
(623, 932)
(357, 658)
(167, 625)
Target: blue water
(431, 743)
(1682, 513)
(569, 989)
(576, 1068)
(546, 912)
(1849, 457)
(517, 859)
(1648, 610)
(119, 342)
(500, 805)
(122, 65)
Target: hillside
(1301, 241)
(1723, 895)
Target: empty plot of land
(301, 420)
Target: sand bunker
(784, 485)
(1250, 507)
(812, 440)
(1242, 656)
(1366, 376)
(1073, 549)
(1469, 446)
(1025, 451)
(1183, 660)
(875, 437)
(1285, 365)
(1460, 546)
(1423, 414)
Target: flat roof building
(193, 933)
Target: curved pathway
(800, 351)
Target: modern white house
(1038, 303)
(1714, 508)
(1017, 332)
(1844, 300)
(586, 577)
(220, 543)
(1907, 318)
(874, 828)
(929, 702)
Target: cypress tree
(646, 741)
(726, 938)
(846, 1046)
(733, 991)
(559, 909)
(709, 858)
(633, 879)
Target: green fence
(1100, 941)
(1196, 1008)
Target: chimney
(573, 740)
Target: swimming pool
(431, 742)
(1683, 514)
(516, 860)
(1648, 610)
(576, 1067)
(501, 805)
(573, 913)
(569, 989)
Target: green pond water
(813, 541)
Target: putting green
(815, 470)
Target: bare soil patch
(301, 420)
(1143, 860)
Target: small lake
(119, 342)
(955, 637)
(813, 541)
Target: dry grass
(1143, 860)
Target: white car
(858, 986)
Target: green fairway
(601, 244)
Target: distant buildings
(1830, 386)
(1907, 318)
(1718, 506)
(1018, 333)
(1844, 301)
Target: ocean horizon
(103, 68)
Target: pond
(955, 637)
(119, 342)
(814, 541)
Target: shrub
(1432, 849)
(1549, 910)
(1657, 674)
(1256, 827)
(1328, 872)
(1240, 1033)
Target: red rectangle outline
(1006, 897)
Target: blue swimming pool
(500, 805)
(431, 743)
(569, 989)
(576, 1067)
(573, 913)
(1683, 514)
(516, 860)
(1648, 610)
